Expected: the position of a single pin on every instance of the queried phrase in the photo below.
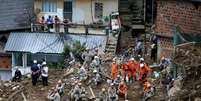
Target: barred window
(49, 6)
(98, 10)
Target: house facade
(184, 14)
(12, 18)
(77, 11)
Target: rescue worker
(118, 80)
(123, 90)
(124, 70)
(44, 74)
(103, 96)
(96, 63)
(82, 73)
(18, 75)
(97, 77)
(78, 92)
(148, 90)
(114, 70)
(112, 94)
(164, 63)
(34, 72)
(60, 87)
(144, 70)
(53, 95)
(133, 68)
(87, 57)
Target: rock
(1, 99)
(174, 91)
(197, 99)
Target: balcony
(95, 28)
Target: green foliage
(66, 50)
(78, 49)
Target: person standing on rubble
(114, 71)
(124, 70)
(34, 72)
(96, 63)
(133, 68)
(87, 57)
(82, 73)
(44, 74)
(139, 47)
(144, 70)
(60, 87)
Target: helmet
(95, 71)
(34, 61)
(141, 65)
(103, 89)
(141, 59)
(44, 63)
(96, 57)
(132, 59)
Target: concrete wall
(59, 13)
(83, 10)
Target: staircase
(111, 45)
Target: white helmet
(132, 59)
(141, 59)
(34, 61)
(44, 63)
(96, 57)
(95, 71)
(141, 65)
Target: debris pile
(12, 91)
(188, 62)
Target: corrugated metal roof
(49, 42)
(34, 43)
(91, 41)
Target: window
(18, 59)
(49, 6)
(68, 9)
(98, 10)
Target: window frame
(52, 6)
(98, 14)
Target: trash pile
(12, 91)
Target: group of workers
(131, 70)
(39, 70)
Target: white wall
(82, 10)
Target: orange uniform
(122, 89)
(133, 66)
(147, 86)
(144, 72)
(114, 71)
(124, 68)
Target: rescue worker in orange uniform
(144, 70)
(122, 89)
(147, 87)
(124, 70)
(114, 70)
(133, 67)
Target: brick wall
(182, 13)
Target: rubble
(10, 91)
